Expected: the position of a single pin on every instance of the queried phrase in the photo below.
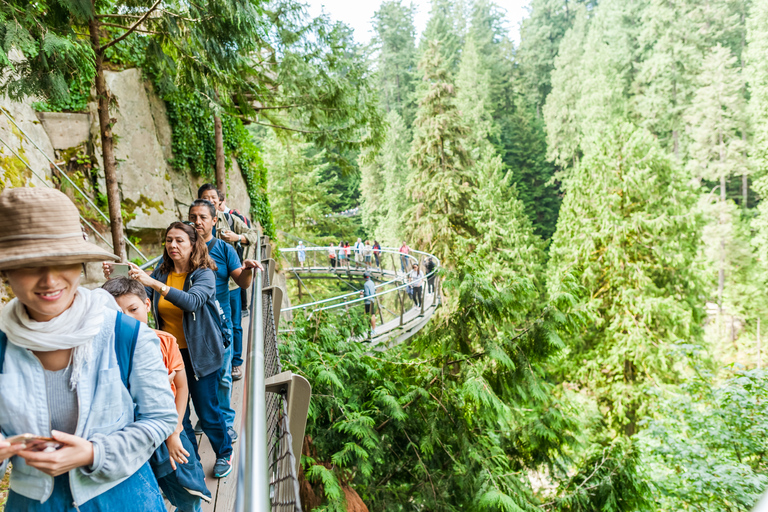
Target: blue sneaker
(232, 434)
(223, 467)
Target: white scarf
(74, 328)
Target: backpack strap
(3, 344)
(126, 336)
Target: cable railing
(398, 282)
(69, 180)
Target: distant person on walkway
(342, 256)
(404, 251)
(347, 252)
(368, 254)
(376, 252)
(175, 464)
(416, 277)
(228, 266)
(301, 251)
(430, 265)
(332, 255)
(359, 252)
(59, 375)
(369, 290)
(233, 229)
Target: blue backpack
(126, 336)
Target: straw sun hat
(40, 226)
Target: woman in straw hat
(60, 376)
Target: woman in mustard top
(183, 292)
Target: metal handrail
(255, 465)
(64, 175)
(388, 250)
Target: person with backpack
(430, 266)
(233, 229)
(228, 268)
(84, 395)
(175, 463)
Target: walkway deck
(390, 333)
(223, 490)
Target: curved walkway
(398, 322)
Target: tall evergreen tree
(757, 75)
(442, 182)
(633, 247)
(298, 196)
(561, 115)
(396, 63)
(540, 43)
(394, 161)
(446, 27)
(717, 150)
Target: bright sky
(358, 13)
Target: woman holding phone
(183, 293)
(60, 374)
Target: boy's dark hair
(119, 286)
(205, 188)
(203, 202)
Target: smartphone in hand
(35, 443)
(119, 270)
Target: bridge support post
(402, 305)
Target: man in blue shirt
(203, 215)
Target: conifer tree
(757, 75)
(396, 63)
(442, 182)
(717, 117)
(473, 99)
(299, 197)
(394, 161)
(561, 115)
(445, 27)
(633, 247)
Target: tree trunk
(721, 272)
(107, 145)
(744, 191)
(221, 168)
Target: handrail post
(255, 464)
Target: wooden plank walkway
(223, 490)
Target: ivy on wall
(191, 120)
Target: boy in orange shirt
(176, 467)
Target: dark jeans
(203, 393)
(431, 285)
(140, 489)
(417, 295)
(235, 303)
(377, 260)
(176, 485)
(403, 262)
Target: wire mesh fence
(284, 482)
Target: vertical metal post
(256, 465)
(402, 305)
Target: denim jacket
(201, 319)
(125, 428)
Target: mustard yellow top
(171, 315)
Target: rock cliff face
(153, 192)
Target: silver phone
(120, 270)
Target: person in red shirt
(176, 467)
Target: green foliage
(442, 179)
(79, 88)
(191, 120)
(633, 246)
(704, 445)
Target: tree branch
(143, 31)
(283, 127)
(132, 28)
